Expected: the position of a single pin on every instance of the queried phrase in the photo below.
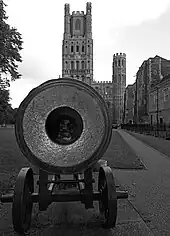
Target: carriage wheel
(108, 201)
(22, 201)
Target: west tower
(77, 46)
(119, 86)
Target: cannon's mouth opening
(64, 125)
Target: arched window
(77, 48)
(88, 48)
(77, 65)
(77, 24)
(108, 90)
(88, 66)
(119, 62)
(72, 65)
(82, 65)
(83, 48)
(72, 48)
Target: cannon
(63, 127)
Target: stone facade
(77, 47)
(119, 86)
(105, 89)
(77, 60)
(149, 74)
(159, 102)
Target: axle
(65, 196)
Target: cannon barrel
(63, 126)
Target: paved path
(149, 189)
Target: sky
(139, 28)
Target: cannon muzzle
(63, 126)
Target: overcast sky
(139, 28)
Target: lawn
(11, 159)
(120, 155)
(160, 144)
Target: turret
(66, 20)
(88, 20)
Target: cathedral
(77, 60)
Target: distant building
(159, 102)
(77, 48)
(105, 89)
(149, 74)
(119, 86)
(77, 60)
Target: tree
(4, 104)
(10, 45)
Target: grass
(159, 144)
(120, 155)
(11, 159)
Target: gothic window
(83, 79)
(77, 65)
(78, 24)
(72, 65)
(119, 62)
(83, 48)
(82, 65)
(108, 90)
(77, 48)
(88, 65)
(88, 48)
(66, 64)
(72, 48)
(122, 63)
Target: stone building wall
(149, 74)
(105, 89)
(159, 102)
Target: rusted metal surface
(76, 98)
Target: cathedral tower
(119, 86)
(77, 47)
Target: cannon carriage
(63, 128)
